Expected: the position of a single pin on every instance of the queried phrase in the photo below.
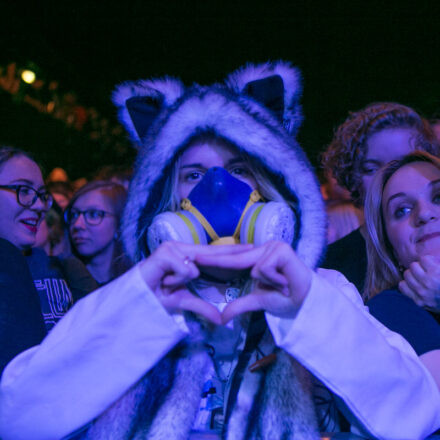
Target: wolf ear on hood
(273, 76)
(277, 86)
(140, 102)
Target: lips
(79, 239)
(429, 236)
(31, 224)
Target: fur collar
(273, 403)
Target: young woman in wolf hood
(240, 341)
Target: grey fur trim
(242, 121)
(117, 421)
(272, 404)
(176, 416)
(280, 399)
(169, 89)
(236, 429)
(291, 77)
(287, 402)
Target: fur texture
(239, 119)
(291, 77)
(275, 403)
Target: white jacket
(111, 338)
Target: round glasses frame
(27, 196)
(93, 217)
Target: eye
(192, 176)
(369, 170)
(26, 190)
(72, 216)
(401, 212)
(239, 171)
(95, 214)
(436, 198)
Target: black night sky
(350, 54)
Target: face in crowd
(23, 201)
(383, 147)
(411, 211)
(197, 159)
(93, 224)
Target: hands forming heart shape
(282, 280)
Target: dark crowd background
(350, 54)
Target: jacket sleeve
(100, 348)
(386, 390)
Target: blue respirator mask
(223, 210)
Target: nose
(426, 212)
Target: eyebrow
(232, 161)
(402, 194)
(26, 181)
(374, 161)
(192, 165)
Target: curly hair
(346, 152)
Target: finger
(408, 291)
(430, 263)
(192, 250)
(412, 281)
(182, 274)
(248, 303)
(228, 249)
(418, 273)
(242, 260)
(266, 268)
(191, 303)
(269, 276)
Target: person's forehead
(390, 144)
(205, 150)
(412, 178)
(21, 167)
(92, 199)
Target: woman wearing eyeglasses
(24, 202)
(93, 216)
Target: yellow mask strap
(187, 206)
(253, 198)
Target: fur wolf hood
(256, 108)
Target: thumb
(187, 301)
(248, 303)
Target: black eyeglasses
(93, 217)
(27, 196)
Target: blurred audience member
(114, 173)
(435, 124)
(52, 235)
(61, 191)
(343, 216)
(57, 175)
(93, 217)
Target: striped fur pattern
(224, 110)
(275, 403)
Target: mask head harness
(223, 210)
